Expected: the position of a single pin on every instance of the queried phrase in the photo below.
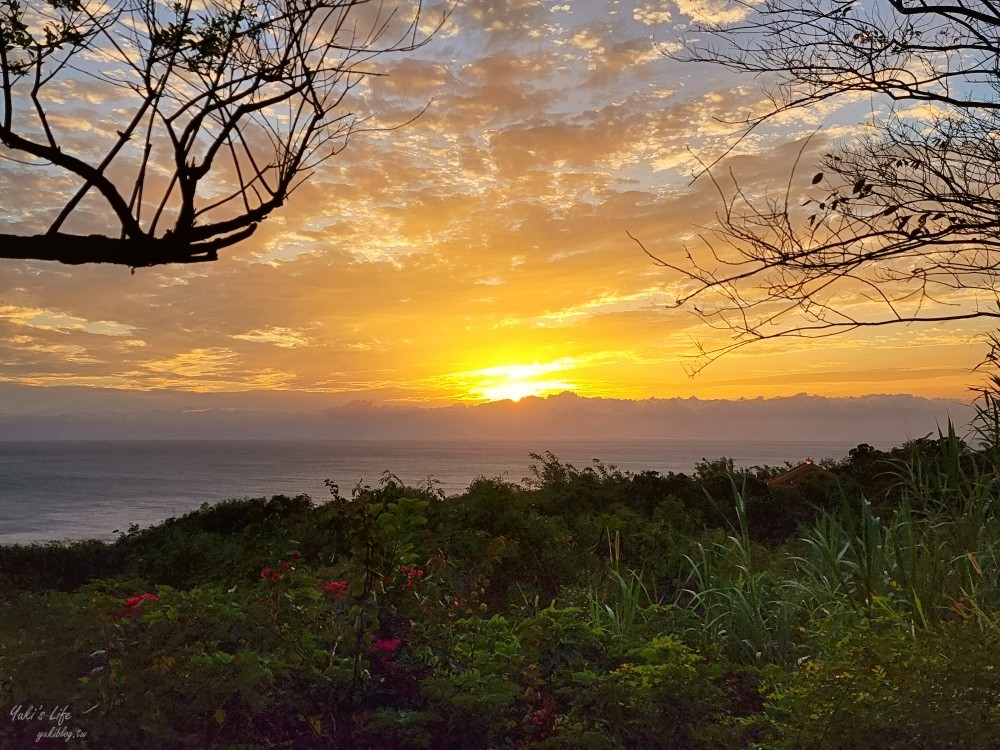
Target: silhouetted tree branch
(217, 110)
(899, 225)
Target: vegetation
(582, 608)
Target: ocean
(61, 490)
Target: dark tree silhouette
(216, 111)
(899, 225)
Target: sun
(516, 390)
(514, 382)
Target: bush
(577, 612)
(880, 684)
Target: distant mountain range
(75, 413)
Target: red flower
(334, 587)
(386, 646)
(266, 572)
(133, 602)
(296, 554)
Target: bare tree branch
(900, 225)
(202, 82)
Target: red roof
(803, 471)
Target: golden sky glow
(514, 382)
(478, 253)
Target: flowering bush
(131, 605)
(133, 602)
(392, 620)
(337, 588)
(386, 646)
(413, 575)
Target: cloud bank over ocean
(60, 414)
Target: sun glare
(515, 382)
(515, 391)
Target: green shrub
(60, 566)
(880, 684)
(660, 696)
(578, 611)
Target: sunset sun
(515, 382)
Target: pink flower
(386, 646)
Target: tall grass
(747, 613)
(616, 605)
(873, 565)
(934, 555)
(619, 609)
(940, 543)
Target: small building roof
(804, 470)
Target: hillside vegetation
(582, 608)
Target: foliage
(543, 615)
(871, 683)
(746, 611)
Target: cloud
(174, 414)
(286, 338)
(489, 233)
(501, 20)
(653, 14)
(197, 363)
(715, 11)
(53, 320)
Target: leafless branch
(898, 226)
(246, 93)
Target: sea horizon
(56, 490)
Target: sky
(480, 252)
